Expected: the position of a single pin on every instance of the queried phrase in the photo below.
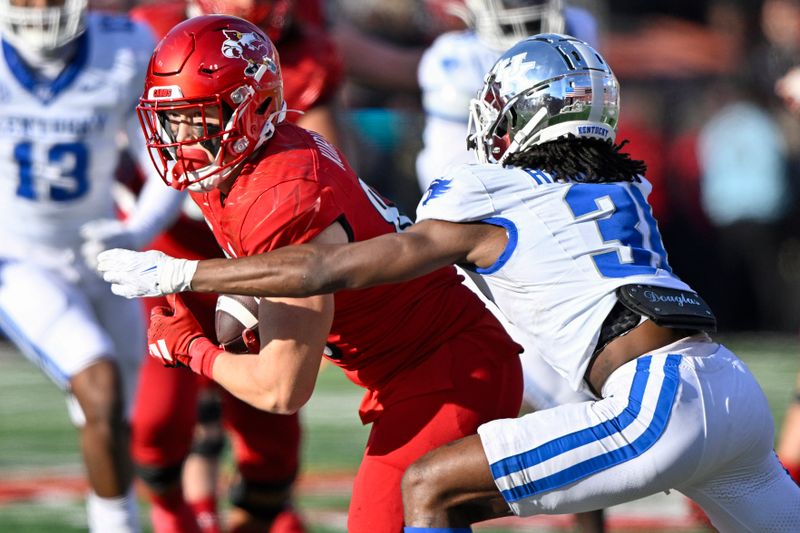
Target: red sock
(288, 521)
(205, 512)
(170, 514)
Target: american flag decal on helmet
(578, 92)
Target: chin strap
(276, 117)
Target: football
(234, 316)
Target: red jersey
(294, 189)
(312, 73)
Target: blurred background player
(452, 69)
(162, 436)
(69, 83)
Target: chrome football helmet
(543, 88)
(42, 29)
(502, 23)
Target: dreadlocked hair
(581, 159)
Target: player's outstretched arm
(317, 269)
(309, 269)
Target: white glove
(103, 234)
(153, 273)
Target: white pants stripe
(32, 352)
(571, 457)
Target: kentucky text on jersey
(27, 125)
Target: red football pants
(485, 383)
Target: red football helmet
(212, 96)
(272, 16)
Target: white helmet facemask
(502, 23)
(42, 29)
(209, 177)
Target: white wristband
(175, 275)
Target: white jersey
(59, 139)
(450, 74)
(570, 246)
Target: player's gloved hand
(104, 234)
(176, 338)
(152, 273)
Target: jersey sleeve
(293, 212)
(458, 196)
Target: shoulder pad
(458, 196)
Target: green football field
(40, 471)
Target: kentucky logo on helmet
(252, 48)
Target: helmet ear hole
(227, 113)
(506, 123)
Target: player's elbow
(282, 402)
(276, 405)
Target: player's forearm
(294, 271)
(310, 269)
(244, 376)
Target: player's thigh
(646, 436)
(760, 498)
(740, 484)
(402, 434)
(50, 320)
(483, 389)
(164, 414)
(124, 321)
(266, 446)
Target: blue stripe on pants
(30, 349)
(603, 430)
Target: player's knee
(209, 446)
(263, 501)
(209, 439)
(419, 486)
(159, 479)
(98, 392)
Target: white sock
(113, 515)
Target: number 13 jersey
(59, 138)
(570, 245)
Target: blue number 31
(626, 225)
(69, 160)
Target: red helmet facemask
(272, 16)
(213, 95)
